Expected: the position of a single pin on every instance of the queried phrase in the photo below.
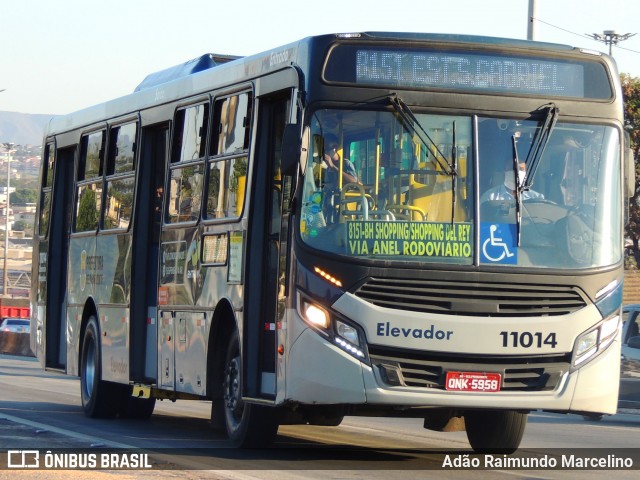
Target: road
(41, 410)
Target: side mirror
(290, 148)
(629, 167)
(630, 173)
(634, 342)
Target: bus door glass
(266, 250)
(180, 271)
(56, 198)
(146, 245)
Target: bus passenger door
(56, 313)
(266, 250)
(144, 270)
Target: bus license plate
(473, 382)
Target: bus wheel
(137, 408)
(327, 421)
(593, 417)
(247, 425)
(495, 431)
(325, 418)
(100, 399)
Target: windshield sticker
(425, 239)
(498, 242)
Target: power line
(628, 49)
(560, 28)
(604, 39)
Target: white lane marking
(65, 432)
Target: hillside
(22, 128)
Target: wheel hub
(232, 399)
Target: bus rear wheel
(137, 407)
(100, 399)
(247, 425)
(495, 431)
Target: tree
(19, 226)
(22, 196)
(631, 92)
(87, 218)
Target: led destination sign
(468, 70)
(478, 72)
(422, 239)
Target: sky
(58, 56)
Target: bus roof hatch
(204, 62)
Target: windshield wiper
(416, 127)
(450, 168)
(454, 176)
(536, 152)
(517, 183)
(539, 144)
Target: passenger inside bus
(330, 166)
(331, 162)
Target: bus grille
(472, 298)
(408, 369)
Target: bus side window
(228, 160)
(47, 185)
(120, 180)
(186, 178)
(190, 134)
(185, 193)
(89, 182)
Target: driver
(507, 190)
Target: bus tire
(247, 425)
(100, 399)
(218, 422)
(495, 431)
(326, 420)
(137, 408)
(593, 417)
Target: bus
(364, 224)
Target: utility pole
(531, 26)
(9, 148)
(610, 37)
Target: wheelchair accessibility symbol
(498, 243)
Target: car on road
(17, 325)
(629, 394)
(630, 362)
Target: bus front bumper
(321, 373)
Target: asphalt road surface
(41, 411)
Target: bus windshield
(376, 189)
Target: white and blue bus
(376, 224)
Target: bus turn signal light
(328, 277)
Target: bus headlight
(348, 338)
(315, 315)
(586, 346)
(347, 332)
(609, 330)
(342, 333)
(590, 343)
